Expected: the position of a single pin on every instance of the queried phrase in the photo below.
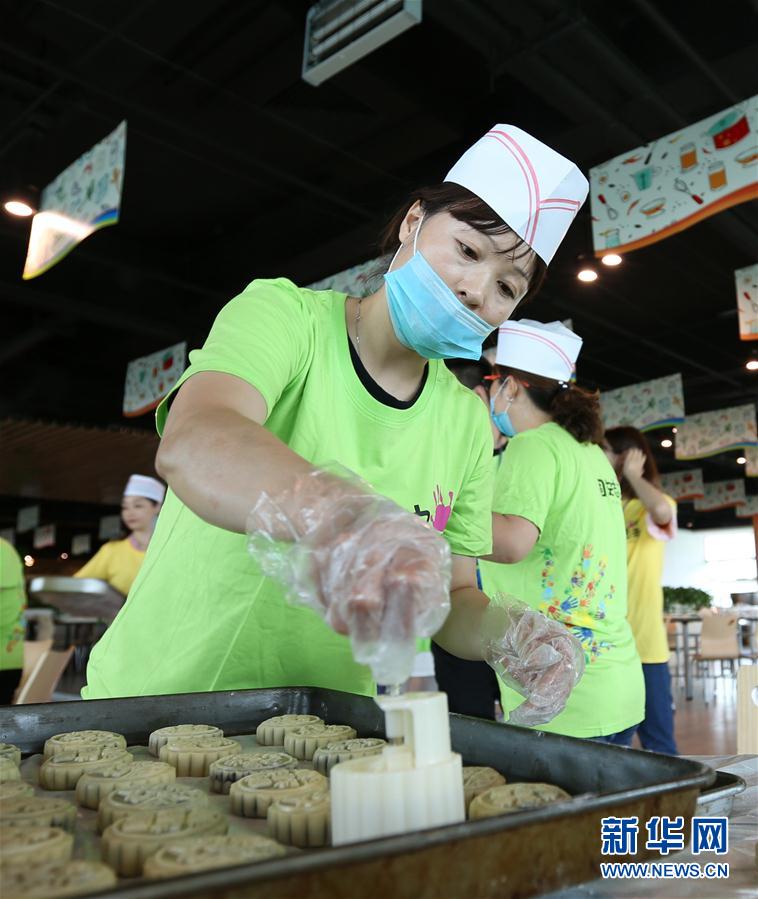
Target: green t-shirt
(200, 616)
(576, 572)
(12, 605)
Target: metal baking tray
(86, 596)
(516, 855)
(718, 799)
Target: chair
(33, 652)
(718, 643)
(673, 645)
(45, 676)
(747, 709)
(82, 632)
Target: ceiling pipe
(676, 38)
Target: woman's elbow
(167, 459)
(662, 515)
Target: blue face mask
(502, 420)
(427, 316)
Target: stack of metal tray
(87, 596)
(520, 854)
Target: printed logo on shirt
(583, 603)
(633, 529)
(442, 510)
(609, 488)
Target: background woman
(119, 561)
(650, 517)
(558, 527)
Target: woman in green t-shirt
(559, 541)
(291, 380)
(12, 605)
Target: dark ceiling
(236, 169)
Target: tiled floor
(707, 729)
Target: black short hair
(470, 372)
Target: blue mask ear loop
(415, 238)
(497, 394)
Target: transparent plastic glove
(371, 569)
(534, 655)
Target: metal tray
(85, 596)
(719, 798)
(516, 855)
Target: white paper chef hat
(535, 191)
(141, 485)
(548, 349)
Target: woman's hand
(634, 465)
(535, 656)
(372, 570)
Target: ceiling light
(674, 430)
(741, 460)
(611, 259)
(587, 274)
(64, 556)
(752, 365)
(28, 561)
(667, 443)
(18, 207)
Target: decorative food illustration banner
(721, 495)
(150, 378)
(710, 433)
(746, 283)
(683, 485)
(44, 536)
(651, 404)
(654, 191)
(85, 196)
(749, 509)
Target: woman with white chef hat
(559, 541)
(291, 380)
(119, 561)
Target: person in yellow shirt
(118, 561)
(650, 517)
(12, 605)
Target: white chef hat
(535, 191)
(141, 485)
(548, 349)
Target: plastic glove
(371, 569)
(534, 655)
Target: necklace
(357, 321)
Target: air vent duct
(340, 32)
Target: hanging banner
(85, 196)
(721, 495)
(749, 509)
(683, 486)
(645, 406)
(110, 527)
(9, 535)
(150, 379)
(751, 464)
(710, 433)
(746, 283)
(27, 519)
(81, 544)
(355, 282)
(654, 191)
(44, 536)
